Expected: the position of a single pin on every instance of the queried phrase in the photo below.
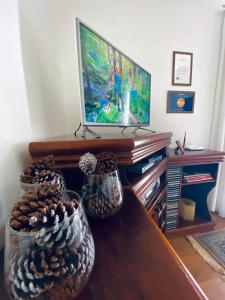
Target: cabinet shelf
(136, 180)
(200, 224)
(199, 182)
(195, 166)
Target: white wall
(39, 88)
(148, 31)
(15, 131)
(41, 29)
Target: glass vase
(102, 194)
(53, 263)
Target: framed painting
(182, 68)
(180, 102)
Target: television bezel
(79, 22)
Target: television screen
(114, 89)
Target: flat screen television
(115, 91)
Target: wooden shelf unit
(133, 238)
(206, 161)
(131, 149)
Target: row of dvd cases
(174, 177)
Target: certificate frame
(182, 68)
(180, 102)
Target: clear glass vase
(53, 263)
(102, 194)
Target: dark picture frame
(182, 68)
(180, 101)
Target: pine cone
(101, 207)
(48, 190)
(60, 235)
(30, 172)
(47, 176)
(82, 263)
(87, 163)
(107, 163)
(36, 271)
(45, 209)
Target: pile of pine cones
(106, 163)
(104, 197)
(53, 253)
(42, 172)
(51, 272)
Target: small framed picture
(182, 68)
(180, 102)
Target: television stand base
(86, 130)
(137, 128)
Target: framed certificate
(180, 102)
(182, 68)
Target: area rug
(211, 246)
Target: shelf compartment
(141, 184)
(189, 227)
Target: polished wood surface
(135, 261)
(128, 148)
(209, 280)
(195, 157)
(195, 227)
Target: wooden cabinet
(129, 149)
(135, 257)
(206, 161)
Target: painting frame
(186, 102)
(182, 68)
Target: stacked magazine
(196, 177)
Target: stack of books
(174, 185)
(196, 177)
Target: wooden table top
(195, 157)
(128, 148)
(134, 261)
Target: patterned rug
(211, 246)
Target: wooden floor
(209, 280)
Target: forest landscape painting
(116, 91)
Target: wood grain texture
(208, 279)
(202, 226)
(195, 157)
(128, 148)
(135, 261)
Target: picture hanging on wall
(182, 68)
(180, 102)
